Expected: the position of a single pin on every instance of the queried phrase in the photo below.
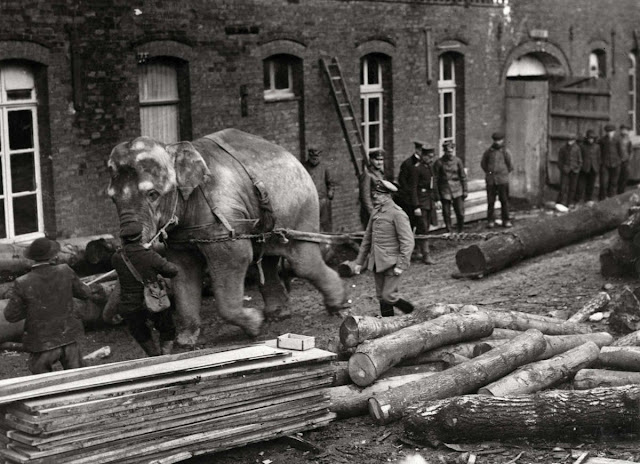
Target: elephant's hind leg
(273, 291)
(306, 261)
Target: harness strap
(217, 213)
(267, 219)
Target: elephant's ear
(191, 169)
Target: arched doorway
(527, 80)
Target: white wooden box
(291, 341)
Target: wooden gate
(577, 104)
(526, 135)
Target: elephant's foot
(251, 321)
(187, 339)
(276, 306)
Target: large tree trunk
(620, 357)
(375, 357)
(595, 304)
(461, 379)
(554, 414)
(544, 374)
(356, 329)
(587, 379)
(350, 401)
(341, 376)
(544, 236)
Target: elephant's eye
(153, 195)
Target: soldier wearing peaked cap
(388, 242)
(44, 299)
(148, 264)
(452, 185)
(371, 174)
(424, 198)
(611, 162)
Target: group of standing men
(580, 165)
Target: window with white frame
(279, 74)
(20, 184)
(633, 94)
(371, 94)
(159, 100)
(447, 98)
(598, 63)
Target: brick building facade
(254, 64)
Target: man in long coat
(424, 198)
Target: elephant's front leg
(228, 263)
(187, 289)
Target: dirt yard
(557, 282)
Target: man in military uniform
(611, 163)
(403, 196)
(325, 186)
(371, 174)
(451, 182)
(424, 197)
(389, 242)
(148, 264)
(496, 164)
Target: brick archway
(550, 55)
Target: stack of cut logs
(503, 356)
(620, 257)
(164, 409)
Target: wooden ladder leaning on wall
(348, 120)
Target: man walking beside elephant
(148, 264)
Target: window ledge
(280, 98)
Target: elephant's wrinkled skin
(150, 179)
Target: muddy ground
(560, 281)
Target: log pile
(512, 371)
(164, 409)
(620, 257)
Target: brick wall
(93, 110)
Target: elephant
(228, 180)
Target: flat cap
(448, 143)
(497, 136)
(609, 128)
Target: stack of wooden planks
(165, 409)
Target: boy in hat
(424, 199)
(452, 185)
(569, 163)
(611, 163)
(148, 264)
(496, 164)
(389, 241)
(44, 299)
(590, 167)
(370, 175)
(325, 186)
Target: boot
(404, 306)
(426, 254)
(460, 226)
(150, 347)
(166, 347)
(386, 309)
